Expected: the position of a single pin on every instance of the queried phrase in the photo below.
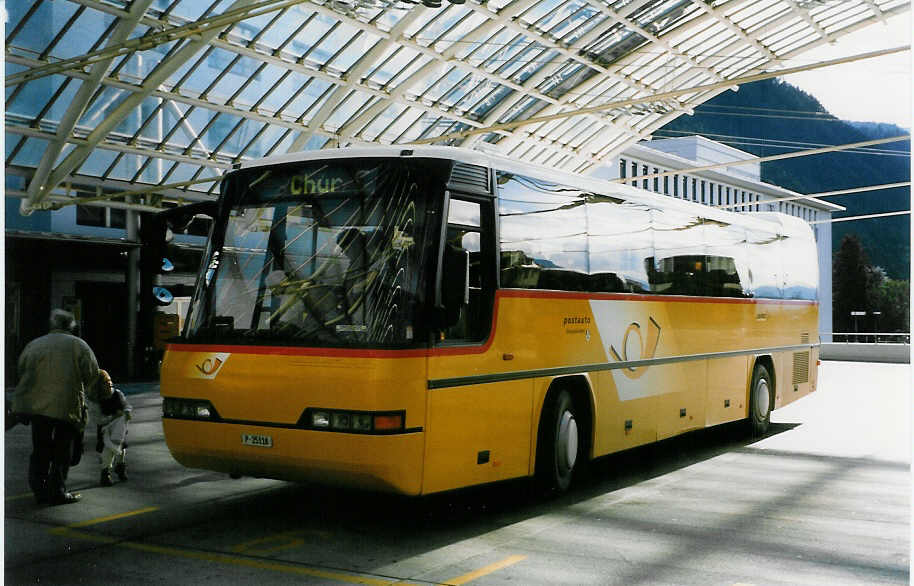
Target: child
(111, 412)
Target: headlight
(320, 419)
(198, 409)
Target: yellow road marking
(67, 532)
(20, 497)
(508, 561)
(104, 519)
(227, 559)
(285, 540)
(292, 536)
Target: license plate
(256, 439)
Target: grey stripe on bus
(462, 381)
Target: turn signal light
(388, 422)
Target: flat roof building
(675, 167)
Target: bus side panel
(796, 369)
(531, 332)
(478, 434)
(621, 425)
(681, 407)
(727, 384)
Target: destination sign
(314, 184)
(321, 180)
(304, 181)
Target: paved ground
(823, 499)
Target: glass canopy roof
(105, 97)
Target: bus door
(478, 427)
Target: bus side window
(466, 235)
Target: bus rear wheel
(558, 446)
(761, 401)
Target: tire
(559, 449)
(761, 401)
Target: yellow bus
(427, 319)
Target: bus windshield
(325, 253)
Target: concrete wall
(823, 246)
(897, 353)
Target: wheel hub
(567, 447)
(762, 397)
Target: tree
(851, 289)
(859, 286)
(894, 305)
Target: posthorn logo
(210, 366)
(646, 347)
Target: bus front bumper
(389, 463)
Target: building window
(704, 198)
(695, 189)
(666, 185)
(644, 171)
(634, 174)
(622, 168)
(728, 197)
(102, 217)
(656, 180)
(117, 218)
(90, 216)
(675, 185)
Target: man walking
(55, 371)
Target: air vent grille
(804, 338)
(800, 367)
(473, 178)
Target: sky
(871, 90)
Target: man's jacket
(55, 372)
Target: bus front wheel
(761, 401)
(558, 444)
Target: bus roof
(783, 223)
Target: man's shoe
(66, 498)
(121, 470)
(105, 479)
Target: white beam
(663, 95)
(87, 89)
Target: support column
(133, 290)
